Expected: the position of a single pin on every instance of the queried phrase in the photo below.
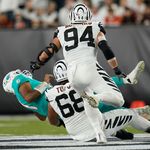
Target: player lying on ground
(68, 104)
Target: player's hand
(101, 28)
(34, 65)
(119, 73)
(48, 78)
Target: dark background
(130, 44)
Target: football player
(66, 102)
(79, 41)
(28, 91)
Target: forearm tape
(48, 52)
(42, 87)
(108, 53)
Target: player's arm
(46, 53)
(27, 93)
(40, 117)
(30, 94)
(53, 117)
(107, 51)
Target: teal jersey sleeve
(40, 105)
(119, 81)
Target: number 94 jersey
(68, 104)
(78, 41)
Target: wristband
(42, 87)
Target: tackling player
(79, 41)
(30, 92)
(69, 105)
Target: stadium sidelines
(141, 141)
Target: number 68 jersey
(78, 41)
(68, 104)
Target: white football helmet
(80, 14)
(60, 71)
(8, 79)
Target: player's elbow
(100, 37)
(52, 121)
(42, 118)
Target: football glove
(101, 28)
(119, 73)
(34, 65)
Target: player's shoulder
(53, 92)
(60, 30)
(97, 23)
(61, 27)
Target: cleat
(91, 100)
(132, 78)
(143, 110)
(124, 135)
(101, 138)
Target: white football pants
(120, 118)
(88, 77)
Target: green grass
(30, 125)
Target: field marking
(141, 141)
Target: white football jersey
(68, 104)
(78, 41)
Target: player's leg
(119, 118)
(106, 93)
(133, 76)
(105, 88)
(96, 119)
(81, 75)
(140, 122)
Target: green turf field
(27, 125)
(30, 125)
